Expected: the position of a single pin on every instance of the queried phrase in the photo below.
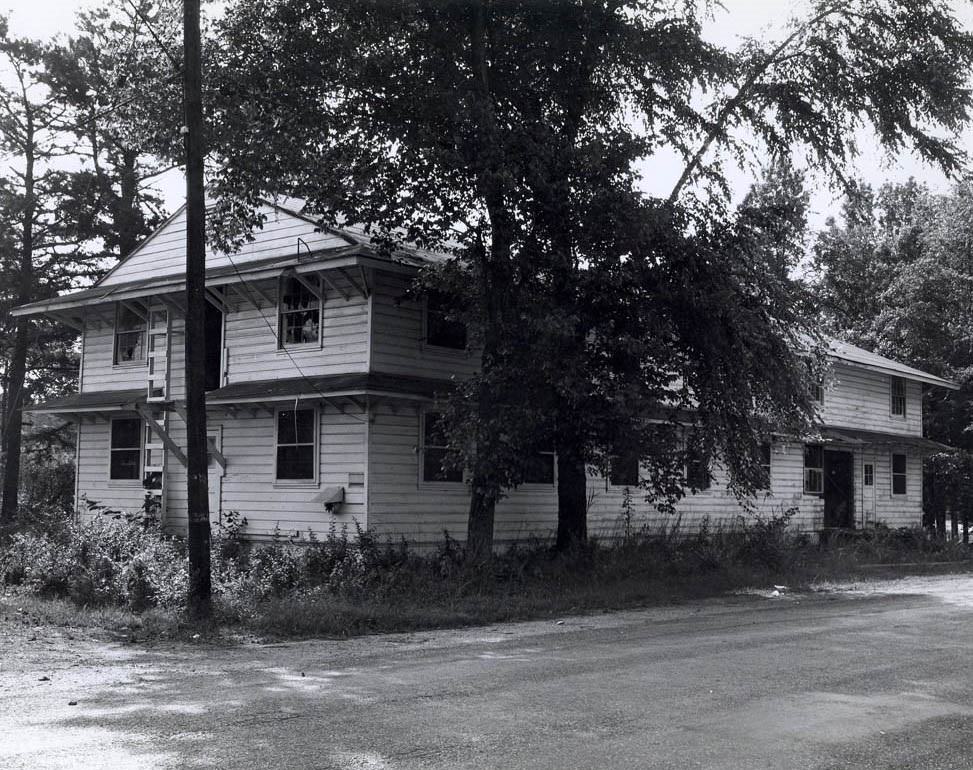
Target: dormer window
(898, 397)
(129, 335)
(299, 321)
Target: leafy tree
(896, 276)
(63, 221)
(513, 129)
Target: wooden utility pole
(198, 492)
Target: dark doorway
(213, 328)
(839, 490)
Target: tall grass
(350, 583)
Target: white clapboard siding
(93, 465)
(248, 483)
(251, 338)
(397, 336)
(100, 371)
(164, 252)
(859, 398)
(401, 506)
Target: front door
(839, 489)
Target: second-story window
(299, 319)
(441, 331)
(129, 335)
(898, 397)
(817, 392)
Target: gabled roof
(289, 239)
(856, 356)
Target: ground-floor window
(296, 443)
(765, 452)
(433, 451)
(125, 463)
(624, 470)
(540, 468)
(698, 474)
(899, 465)
(813, 469)
(869, 474)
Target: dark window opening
(300, 314)
(814, 469)
(624, 470)
(540, 468)
(698, 475)
(296, 445)
(441, 331)
(434, 444)
(125, 463)
(213, 329)
(869, 475)
(899, 466)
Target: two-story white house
(321, 380)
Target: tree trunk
(572, 502)
(200, 605)
(954, 523)
(13, 422)
(128, 218)
(13, 416)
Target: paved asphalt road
(874, 679)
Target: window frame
(447, 349)
(818, 468)
(142, 359)
(126, 482)
(628, 457)
(553, 482)
(421, 453)
(291, 483)
(896, 397)
(281, 328)
(868, 474)
(904, 475)
(817, 393)
(768, 447)
(698, 460)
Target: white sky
(46, 18)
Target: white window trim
(421, 457)
(135, 362)
(905, 398)
(284, 348)
(299, 483)
(893, 474)
(440, 350)
(127, 482)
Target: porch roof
(98, 401)
(863, 438)
(331, 385)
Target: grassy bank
(127, 576)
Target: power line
(256, 304)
